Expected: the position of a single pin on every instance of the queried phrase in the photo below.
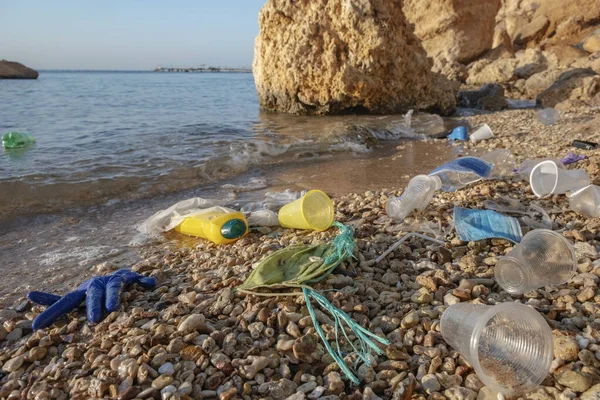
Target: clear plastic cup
(526, 166)
(509, 345)
(503, 160)
(416, 196)
(542, 258)
(586, 201)
(548, 178)
(482, 133)
(548, 116)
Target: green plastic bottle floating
(15, 140)
(217, 226)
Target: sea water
(112, 148)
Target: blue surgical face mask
(473, 225)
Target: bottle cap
(236, 228)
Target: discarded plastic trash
(543, 257)
(549, 178)
(582, 144)
(403, 239)
(296, 267)
(548, 116)
(220, 225)
(482, 133)
(264, 217)
(586, 201)
(416, 196)
(473, 225)
(100, 294)
(572, 158)
(509, 345)
(15, 140)
(461, 172)
(273, 201)
(165, 220)
(503, 162)
(526, 166)
(459, 133)
(312, 211)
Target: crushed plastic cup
(312, 211)
(504, 162)
(548, 178)
(586, 201)
(509, 345)
(264, 217)
(482, 133)
(417, 196)
(543, 258)
(548, 116)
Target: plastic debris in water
(15, 140)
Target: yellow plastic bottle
(219, 227)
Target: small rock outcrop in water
(335, 56)
(15, 70)
(453, 31)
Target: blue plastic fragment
(473, 225)
(459, 133)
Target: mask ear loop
(404, 238)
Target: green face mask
(301, 265)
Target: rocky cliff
(529, 47)
(453, 32)
(15, 70)
(337, 56)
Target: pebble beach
(195, 337)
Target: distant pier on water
(201, 69)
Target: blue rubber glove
(100, 293)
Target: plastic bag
(165, 220)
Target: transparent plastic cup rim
(474, 345)
(534, 170)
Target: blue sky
(128, 34)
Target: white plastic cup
(586, 201)
(548, 178)
(482, 133)
(509, 345)
(543, 258)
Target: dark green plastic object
(236, 228)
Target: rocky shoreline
(195, 337)
(15, 70)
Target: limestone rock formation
(338, 56)
(453, 30)
(573, 89)
(15, 70)
(548, 22)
